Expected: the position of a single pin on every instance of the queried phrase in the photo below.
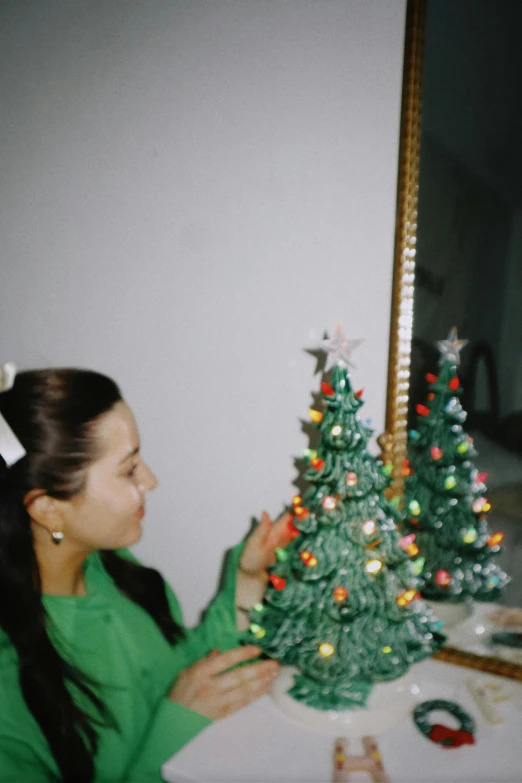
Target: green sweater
(117, 643)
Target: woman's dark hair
(53, 413)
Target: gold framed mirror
(421, 22)
(394, 442)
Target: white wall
(192, 192)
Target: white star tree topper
(450, 349)
(339, 349)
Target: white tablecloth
(259, 744)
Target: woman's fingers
(216, 664)
(248, 675)
(280, 534)
(238, 697)
(211, 688)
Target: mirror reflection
(469, 248)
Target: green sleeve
(173, 725)
(171, 728)
(19, 764)
(218, 628)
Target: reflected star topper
(450, 349)
(339, 349)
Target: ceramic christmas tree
(342, 604)
(445, 500)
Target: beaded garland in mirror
(394, 441)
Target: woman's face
(107, 513)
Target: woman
(99, 681)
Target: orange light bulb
(340, 594)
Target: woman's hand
(208, 688)
(257, 556)
(259, 551)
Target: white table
(259, 744)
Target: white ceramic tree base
(450, 614)
(388, 703)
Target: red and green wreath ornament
(437, 732)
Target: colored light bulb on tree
(418, 565)
(450, 482)
(442, 578)
(436, 453)
(407, 541)
(495, 539)
(316, 416)
(329, 503)
(351, 479)
(308, 558)
(463, 447)
(336, 430)
(422, 410)
(373, 566)
(406, 598)
(414, 507)
(278, 582)
(294, 532)
(340, 594)
(326, 649)
(301, 512)
(369, 527)
(470, 536)
(327, 390)
(317, 463)
(454, 384)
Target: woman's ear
(41, 508)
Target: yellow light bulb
(316, 416)
(373, 566)
(326, 649)
(387, 650)
(406, 598)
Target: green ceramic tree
(445, 498)
(342, 603)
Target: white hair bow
(11, 450)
